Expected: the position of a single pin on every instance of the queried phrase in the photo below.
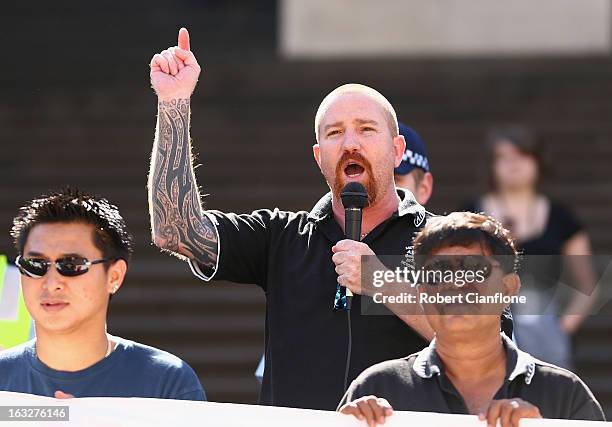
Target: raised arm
(177, 222)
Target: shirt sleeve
(381, 380)
(182, 383)
(244, 242)
(565, 221)
(354, 392)
(584, 404)
(197, 394)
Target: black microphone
(354, 198)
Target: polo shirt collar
(428, 363)
(524, 363)
(407, 206)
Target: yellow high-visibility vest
(13, 331)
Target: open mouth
(353, 170)
(53, 306)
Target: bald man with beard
(312, 350)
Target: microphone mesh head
(354, 195)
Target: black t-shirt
(540, 258)
(288, 254)
(418, 383)
(561, 225)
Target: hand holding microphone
(348, 252)
(347, 257)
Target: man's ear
(316, 151)
(425, 189)
(116, 274)
(512, 284)
(399, 145)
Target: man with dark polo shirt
(297, 258)
(414, 174)
(469, 367)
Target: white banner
(137, 412)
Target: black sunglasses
(69, 266)
(465, 263)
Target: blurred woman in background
(544, 229)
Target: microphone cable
(349, 350)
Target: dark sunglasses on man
(69, 266)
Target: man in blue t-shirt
(73, 255)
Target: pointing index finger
(183, 39)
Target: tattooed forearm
(174, 202)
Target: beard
(370, 183)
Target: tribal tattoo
(178, 223)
